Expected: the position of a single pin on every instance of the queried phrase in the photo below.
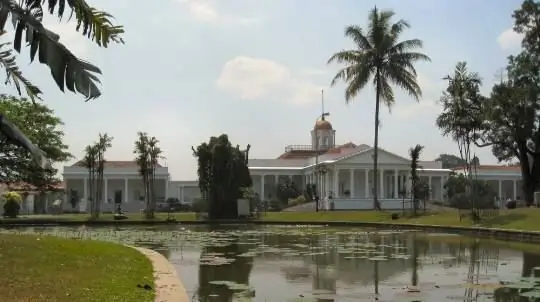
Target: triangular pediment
(366, 156)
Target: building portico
(348, 177)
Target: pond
(301, 263)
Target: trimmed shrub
(12, 204)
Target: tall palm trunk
(376, 204)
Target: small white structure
(185, 190)
(122, 184)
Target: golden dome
(322, 124)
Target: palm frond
(91, 22)
(67, 70)
(356, 33)
(14, 75)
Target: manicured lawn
(49, 269)
(520, 219)
(103, 217)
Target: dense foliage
(381, 58)
(458, 196)
(12, 204)
(508, 119)
(223, 175)
(42, 127)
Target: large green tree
(44, 129)
(382, 58)
(507, 121)
(223, 175)
(67, 70)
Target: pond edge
(494, 233)
(167, 284)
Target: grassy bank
(519, 219)
(53, 269)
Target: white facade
(122, 183)
(349, 177)
(185, 190)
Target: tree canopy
(508, 119)
(44, 129)
(380, 57)
(223, 175)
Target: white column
(262, 188)
(366, 183)
(85, 190)
(126, 190)
(166, 188)
(336, 183)
(326, 183)
(396, 189)
(276, 179)
(430, 190)
(182, 193)
(515, 189)
(443, 180)
(500, 189)
(381, 183)
(105, 190)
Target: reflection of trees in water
(414, 260)
(530, 261)
(237, 272)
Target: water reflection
(217, 281)
(320, 264)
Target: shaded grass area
(520, 219)
(49, 269)
(132, 217)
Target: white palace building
(348, 176)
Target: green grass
(52, 269)
(520, 219)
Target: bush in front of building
(12, 204)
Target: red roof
(24, 187)
(298, 154)
(493, 167)
(114, 164)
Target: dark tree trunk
(376, 204)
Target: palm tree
(104, 143)
(415, 153)
(90, 163)
(381, 56)
(154, 154)
(67, 70)
(141, 152)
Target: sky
(254, 69)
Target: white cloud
(509, 40)
(261, 79)
(206, 11)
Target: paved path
(167, 285)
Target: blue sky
(253, 69)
